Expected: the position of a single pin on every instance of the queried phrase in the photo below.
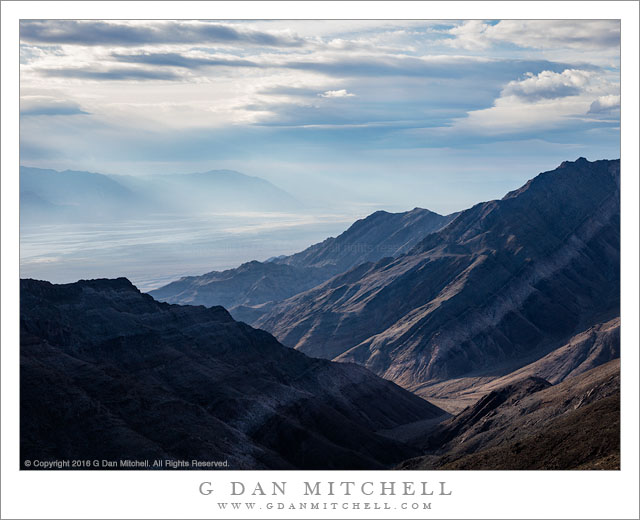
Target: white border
(174, 494)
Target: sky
(381, 114)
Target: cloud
(284, 90)
(74, 32)
(174, 59)
(431, 66)
(336, 94)
(605, 104)
(115, 74)
(48, 106)
(544, 102)
(29, 53)
(440, 66)
(548, 85)
(537, 34)
(168, 91)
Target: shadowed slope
(107, 372)
(503, 280)
(530, 424)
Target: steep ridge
(250, 285)
(109, 373)
(593, 347)
(503, 280)
(588, 349)
(246, 289)
(377, 236)
(531, 424)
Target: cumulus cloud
(605, 104)
(548, 85)
(547, 101)
(73, 32)
(48, 106)
(538, 34)
(336, 94)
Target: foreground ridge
(108, 373)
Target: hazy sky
(437, 114)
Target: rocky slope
(500, 284)
(377, 236)
(588, 349)
(531, 424)
(593, 347)
(246, 289)
(109, 373)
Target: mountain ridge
(532, 424)
(109, 373)
(89, 195)
(482, 289)
(253, 284)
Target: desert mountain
(245, 289)
(49, 195)
(212, 191)
(381, 234)
(529, 424)
(109, 373)
(588, 349)
(72, 195)
(504, 283)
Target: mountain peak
(580, 161)
(120, 283)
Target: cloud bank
(342, 101)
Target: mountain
(252, 284)
(73, 195)
(504, 283)
(80, 196)
(108, 373)
(212, 191)
(246, 289)
(588, 349)
(530, 424)
(377, 236)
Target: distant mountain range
(49, 195)
(246, 289)
(108, 373)
(212, 191)
(505, 317)
(495, 285)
